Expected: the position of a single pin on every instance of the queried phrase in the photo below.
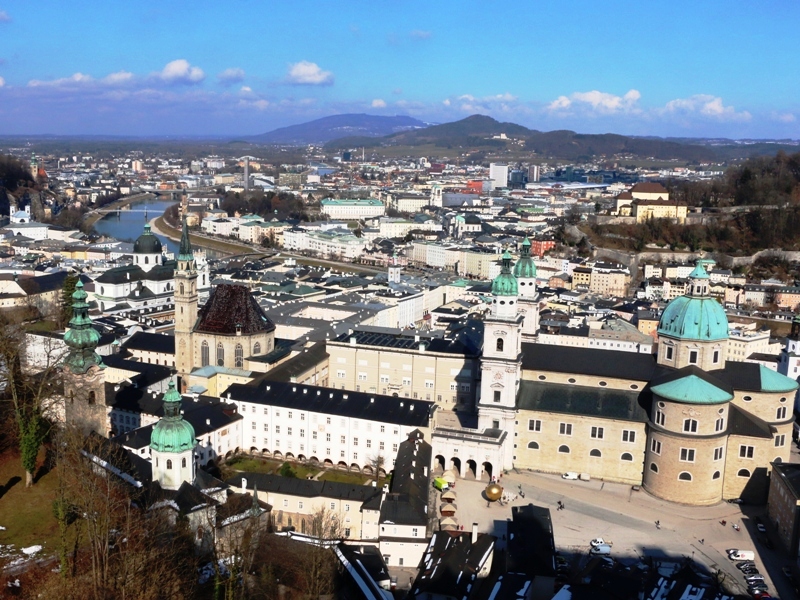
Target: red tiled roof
(229, 306)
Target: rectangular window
(266, 427)
(746, 451)
(362, 376)
(302, 416)
(597, 433)
(313, 435)
(660, 418)
(718, 453)
(327, 437)
(253, 425)
(655, 447)
(628, 435)
(347, 508)
(290, 414)
(369, 443)
(384, 379)
(383, 428)
(669, 352)
(692, 357)
(406, 381)
(534, 425)
(414, 532)
(355, 441)
(302, 433)
(277, 428)
(327, 420)
(380, 445)
(342, 439)
(333, 506)
(341, 453)
(288, 431)
(497, 395)
(347, 532)
(719, 425)
(394, 447)
(300, 504)
(716, 356)
(565, 428)
(340, 374)
(690, 425)
(687, 454)
(780, 440)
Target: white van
(601, 549)
(742, 555)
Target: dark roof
(131, 468)
(359, 405)
(307, 488)
(297, 365)
(531, 548)
(709, 378)
(147, 373)
(281, 350)
(42, 283)
(407, 500)
(789, 474)
(741, 376)
(741, 422)
(583, 400)
(151, 342)
(647, 187)
(187, 498)
(231, 305)
(450, 564)
(136, 273)
(409, 342)
(238, 504)
(590, 361)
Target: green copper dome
(525, 267)
(505, 284)
(147, 243)
(695, 316)
(172, 433)
(81, 338)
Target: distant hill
(477, 131)
(338, 126)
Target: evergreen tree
(66, 299)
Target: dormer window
(669, 353)
(693, 357)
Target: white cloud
(118, 78)
(707, 106)
(2, 82)
(446, 101)
(180, 71)
(378, 103)
(245, 89)
(76, 79)
(419, 34)
(259, 104)
(4, 17)
(230, 76)
(783, 117)
(596, 101)
(308, 73)
(498, 102)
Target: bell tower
(502, 358)
(84, 378)
(185, 306)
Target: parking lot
(627, 519)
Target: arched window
(256, 348)
(220, 355)
(743, 473)
(500, 343)
(533, 445)
(654, 467)
(685, 476)
(627, 456)
(238, 356)
(563, 449)
(781, 413)
(183, 462)
(169, 463)
(595, 452)
(147, 260)
(181, 288)
(716, 475)
(204, 354)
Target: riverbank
(93, 216)
(161, 227)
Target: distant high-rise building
(534, 174)
(498, 173)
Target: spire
(81, 338)
(255, 510)
(185, 251)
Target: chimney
(474, 532)
(422, 347)
(244, 491)
(352, 340)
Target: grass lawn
(26, 513)
(42, 326)
(257, 465)
(354, 478)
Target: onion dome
(695, 316)
(81, 338)
(505, 284)
(172, 433)
(525, 267)
(147, 243)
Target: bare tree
(377, 463)
(317, 563)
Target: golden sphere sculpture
(493, 492)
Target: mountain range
(330, 128)
(480, 132)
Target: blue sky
(241, 67)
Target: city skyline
(711, 70)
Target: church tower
(502, 356)
(84, 379)
(185, 306)
(525, 272)
(394, 270)
(172, 443)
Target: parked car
(742, 555)
(569, 475)
(598, 542)
(750, 571)
(745, 564)
(602, 550)
(757, 585)
(753, 578)
(761, 528)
